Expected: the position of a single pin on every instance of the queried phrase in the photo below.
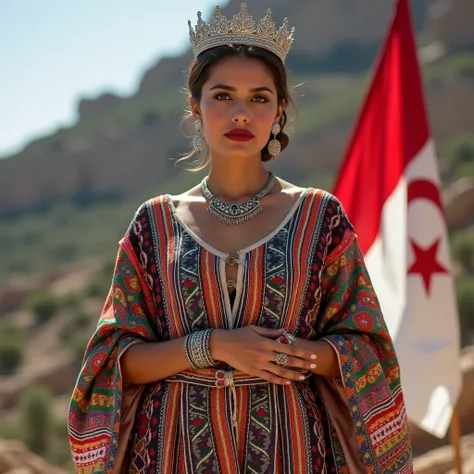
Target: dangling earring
(198, 139)
(274, 146)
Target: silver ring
(291, 338)
(281, 359)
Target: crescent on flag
(422, 188)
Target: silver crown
(242, 29)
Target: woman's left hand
(327, 363)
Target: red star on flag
(425, 263)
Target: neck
(237, 183)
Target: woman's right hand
(252, 350)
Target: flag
(389, 186)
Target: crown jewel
(242, 29)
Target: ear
(280, 110)
(195, 109)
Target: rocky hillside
(15, 458)
(119, 137)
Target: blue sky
(53, 52)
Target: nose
(240, 114)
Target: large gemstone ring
(281, 359)
(287, 338)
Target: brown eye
(260, 99)
(222, 97)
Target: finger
(273, 378)
(285, 373)
(298, 363)
(293, 351)
(267, 332)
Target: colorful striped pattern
(309, 277)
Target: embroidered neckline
(264, 240)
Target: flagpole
(455, 433)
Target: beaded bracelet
(196, 349)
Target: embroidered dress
(307, 276)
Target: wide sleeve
(101, 406)
(351, 321)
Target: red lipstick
(239, 135)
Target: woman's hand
(328, 363)
(253, 349)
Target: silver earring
(274, 146)
(198, 139)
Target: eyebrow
(233, 89)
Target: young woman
(241, 333)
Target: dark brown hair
(200, 69)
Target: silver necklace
(236, 213)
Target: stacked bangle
(196, 349)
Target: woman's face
(238, 107)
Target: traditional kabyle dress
(307, 276)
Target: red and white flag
(389, 186)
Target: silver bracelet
(196, 349)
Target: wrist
(217, 343)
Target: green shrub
(10, 430)
(107, 268)
(71, 300)
(465, 299)
(19, 264)
(36, 405)
(32, 237)
(463, 249)
(64, 252)
(98, 287)
(464, 151)
(78, 323)
(79, 343)
(11, 355)
(463, 158)
(59, 453)
(92, 289)
(457, 157)
(12, 348)
(43, 305)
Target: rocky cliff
(15, 458)
(117, 137)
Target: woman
(241, 333)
